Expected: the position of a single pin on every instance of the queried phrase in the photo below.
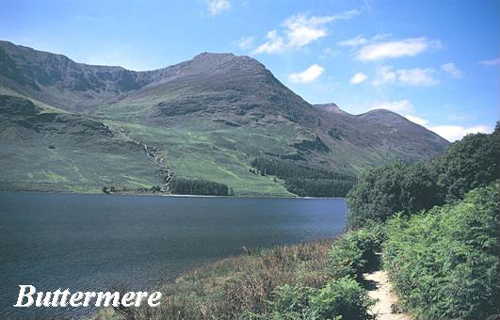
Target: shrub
(444, 263)
(344, 298)
(292, 302)
(339, 299)
(345, 258)
(355, 252)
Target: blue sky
(435, 62)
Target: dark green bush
(444, 263)
(355, 252)
(340, 299)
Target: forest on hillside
(303, 180)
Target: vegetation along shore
(432, 228)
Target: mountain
(330, 107)
(76, 127)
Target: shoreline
(228, 269)
(165, 195)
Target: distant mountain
(206, 118)
(330, 107)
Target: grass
(202, 151)
(51, 161)
(289, 282)
(228, 288)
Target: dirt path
(385, 299)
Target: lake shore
(152, 239)
(250, 278)
(320, 279)
(159, 194)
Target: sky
(434, 62)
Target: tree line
(305, 180)
(199, 187)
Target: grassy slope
(193, 148)
(53, 151)
(196, 147)
(29, 164)
(215, 154)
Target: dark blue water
(94, 243)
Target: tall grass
(286, 282)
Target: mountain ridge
(210, 117)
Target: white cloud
(452, 70)
(416, 77)
(407, 77)
(302, 30)
(217, 6)
(299, 31)
(275, 43)
(358, 78)
(353, 42)
(492, 62)
(395, 49)
(417, 120)
(245, 43)
(452, 132)
(399, 106)
(308, 75)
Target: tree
(467, 164)
(382, 192)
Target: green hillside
(80, 128)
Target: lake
(98, 242)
